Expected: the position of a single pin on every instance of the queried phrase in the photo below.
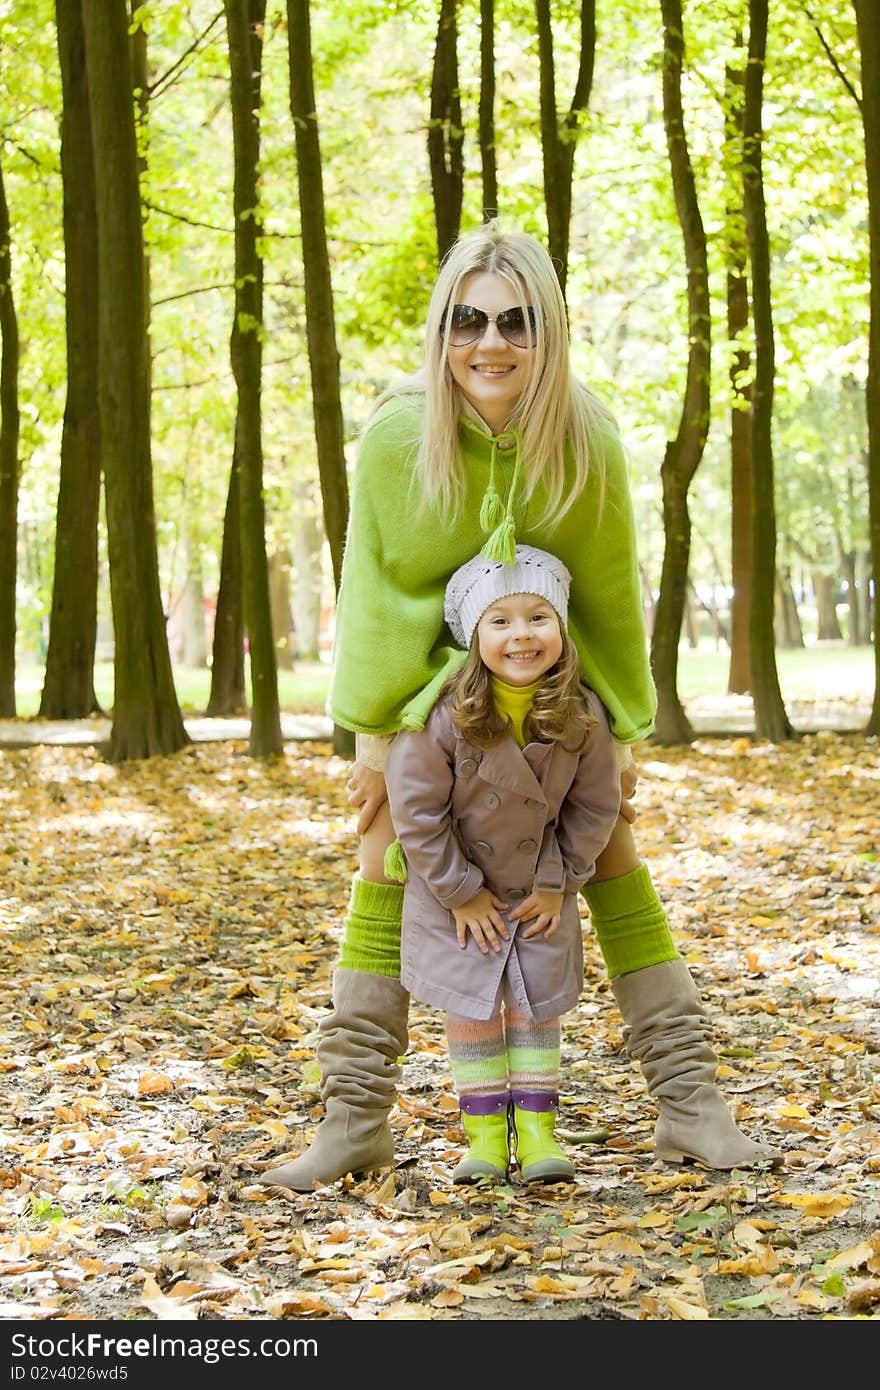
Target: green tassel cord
(501, 545)
(491, 507)
(491, 510)
(394, 863)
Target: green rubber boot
(538, 1156)
(485, 1124)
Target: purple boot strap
(484, 1105)
(542, 1101)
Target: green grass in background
(301, 691)
(820, 672)
(826, 671)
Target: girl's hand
(543, 910)
(481, 918)
(366, 789)
(629, 780)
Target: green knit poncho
(393, 650)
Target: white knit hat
(479, 583)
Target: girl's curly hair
(559, 712)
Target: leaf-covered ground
(169, 930)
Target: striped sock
(533, 1053)
(476, 1055)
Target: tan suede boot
(666, 1032)
(361, 1041)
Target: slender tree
(68, 685)
(559, 137)
(486, 113)
(868, 25)
(146, 714)
(736, 255)
(771, 720)
(227, 695)
(445, 131)
(320, 317)
(244, 26)
(683, 454)
(9, 470)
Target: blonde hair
(559, 713)
(555, 409)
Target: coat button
(493, 801)
(528, 846)
(467, 767)
(530, 801)
(481, 846)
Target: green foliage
(626, 287)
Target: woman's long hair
(559, 713)
(555, 410)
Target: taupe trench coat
(514, 819)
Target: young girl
(502, 804)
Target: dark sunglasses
(467, 324)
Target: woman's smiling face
(490, 372)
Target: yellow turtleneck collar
(514, 702)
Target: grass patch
(300, 691)
(830, 671)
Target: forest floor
(169, 931)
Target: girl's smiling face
(491, 373)
(520, 638)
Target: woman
(494, 441)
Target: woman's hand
(480, 916)
(542, 909)
(629, 780)
(366, 792)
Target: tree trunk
(320, 320)
(787, 630)
(9, 471)
(146, 714)
(227, 648)
(847, 559)
(868, 27)
(279, 598)
(683, 454)
(445, 131)
(320, 316)
(244, 23)
(307, 540)
(559, 140)
(141, 92)
(825, 589)
(486, 115)
(68, 685)
(847, 555)
(739, 673)
(195, 647)
(864, 579)
(771, 720)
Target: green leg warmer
(371, 942)
(630, 922)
